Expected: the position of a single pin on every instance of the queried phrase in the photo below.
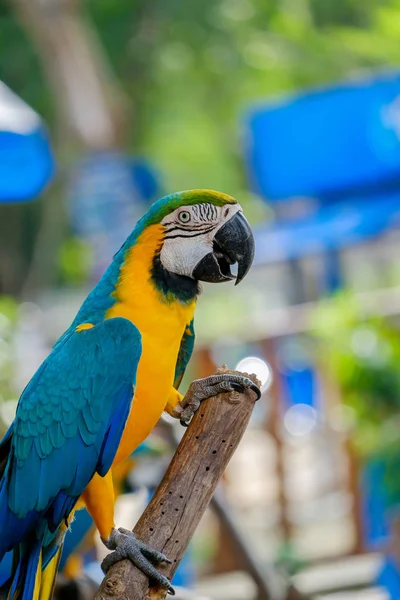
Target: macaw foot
(126, 545)
(201, 389)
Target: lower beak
(233, 243)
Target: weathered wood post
(171, 518)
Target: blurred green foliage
(20, 66)
(190, 70)
(75, 261)
(8, 312)
(362, 354)
(8, 316)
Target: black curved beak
(233, 243)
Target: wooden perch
(179, 502)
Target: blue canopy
(327, 143)
(26, 161)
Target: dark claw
(256, 389)
(155, 557)
(240, 387)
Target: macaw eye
(184, 216)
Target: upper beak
(233, 243)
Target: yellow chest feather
(161, 324)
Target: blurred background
(293, 107)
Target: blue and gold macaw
(107, 381)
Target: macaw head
(205, 234)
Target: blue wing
(70, 419)
(185, 352)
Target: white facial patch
(190, 232)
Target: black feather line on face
(177, 235)
(188, 227)
(203, 212)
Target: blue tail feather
(13, 529)
(25, 574)
(26, 554)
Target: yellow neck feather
(136, 269)
(161, 324)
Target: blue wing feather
(113, 435)
(87, 383)
(185, 352)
